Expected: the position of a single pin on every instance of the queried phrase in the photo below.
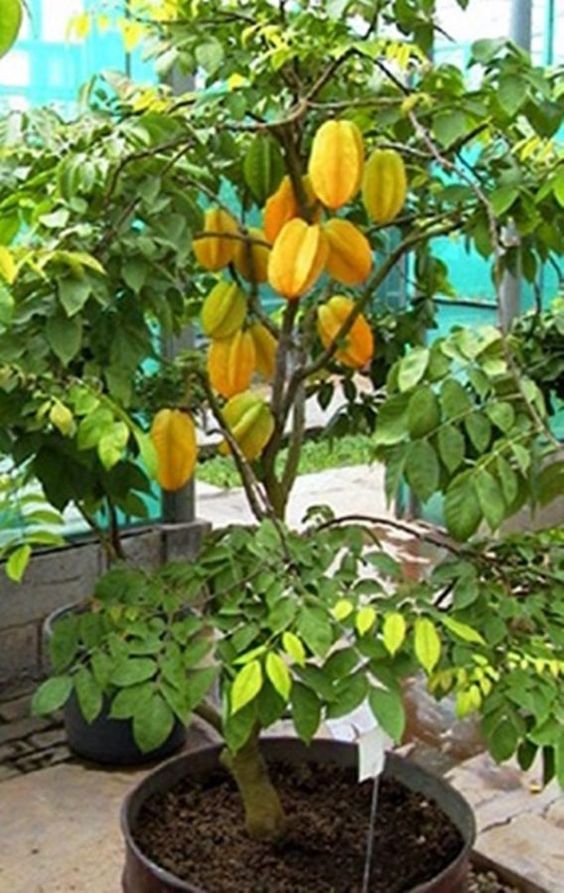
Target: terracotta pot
(107, 741)
(143, 876)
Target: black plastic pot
(141, 875)
(107, 741)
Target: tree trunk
(264, 815)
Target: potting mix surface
(197, 833)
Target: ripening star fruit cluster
(289, 253)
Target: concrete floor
(359, 488)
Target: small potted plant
(116, 666)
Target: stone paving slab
(520, 823)
(59, 828)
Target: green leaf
(341, 663)
(427, 644)
(463, 513)
(64, 336)
(502, 742)
(412, 367)
(93, 427)
(153, 722)
(387, 707)
(462, 630)
(508, 480)
(132, 670)
(282, 614)
(466, 591)
(196, 652)
(10, 23)
(73, 294)
(294, 648)
(210, 55)
(502, 415)
(365, 620)
(452, 447)
(315, 629)
(112, 444)
(279, 675)
(559, 759)
(237, 727)
(101, 668)
(135, 271)
(454, 399)
(512, 92)
(479, 430)
(127, 700)
(263, 167)
(395, 469)
(422, 470)
(198, 685)
(51, 695)
(17, 563)
(485, 50)
(423, 412)
(503, 198)
(394, 630)
(64, 642)
(558, 188)
(350, 692)
(318, 680)
(8, 269)
(306, 711)
(62, 418)
(147, 452)
(490, 498)
(448, 127)
(176, 700)
(246, 685)
(88, 693)
(391, 423)
(522, 456)
(550, 483)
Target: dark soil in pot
(195, 832)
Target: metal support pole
(178, 507)
(520, 31)
(520, 25)
(549, 32)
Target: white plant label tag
(372, 747)
(371, 740)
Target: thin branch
(206, 711)
(103, 537)
(139, 156)
(373, 23)
(114, 530)
(248, 479)
(295, 443)
(425, 534)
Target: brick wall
(63, 576)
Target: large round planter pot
(106, 740)
(144, 876)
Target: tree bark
(264, 815)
